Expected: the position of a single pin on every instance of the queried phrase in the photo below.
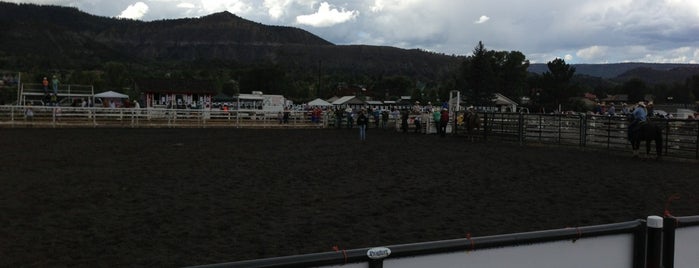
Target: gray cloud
(583, 31)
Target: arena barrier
(607, 132)
(655, 242)
(680, 136)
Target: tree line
(478, 77)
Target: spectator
(418, 126)
(350, 119)
(45, 83)
(54, 83)
(612, 109)
(404, 120)
(384, 119)
(362, 122)
(29, 114)
(443, 121)
(436, 117)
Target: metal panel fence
(606, 132)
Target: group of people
(611, 109)
(363, 117)
(54, 84)
(440, 117)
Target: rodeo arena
(656, 241)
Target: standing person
(377, 115)
(624, 109)
(362, 122)
(443, 121)
(417, 123)
(436, 117)
(285, 117)
(612, 109)
(384, 119)
(404, 120)
(350, 119)
(54, 83)
(45, 83)
(29, 115)
(338, 118)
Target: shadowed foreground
(177, 197)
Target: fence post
(696, 149)
(520, 129)
(669, 226)
(654, 225)
(583, 130)
(609, 131)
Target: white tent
(111, 95)
(319, 102)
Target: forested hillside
(239, 55)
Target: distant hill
(613, 70)
(650, 73)
(43, 38)
(53, 37)
(656, 76)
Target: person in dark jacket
(404, 120)
(362, 122)
(443, 122)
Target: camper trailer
(258, 104)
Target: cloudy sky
(579, 31)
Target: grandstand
(31, 93)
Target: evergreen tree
(557, 88)
(480, 77)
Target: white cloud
(233, 6)
(276, 8)
(326, 17)
(186, 5)
(482, 19)
(592, 53)
(135, 11)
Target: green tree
(511, 70)
(117, 76)
(556, 82)
(693, 87)
(479, 77)
(680, 93)
(395, 86)
(636, 89)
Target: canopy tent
(319, 102)
(111, 95)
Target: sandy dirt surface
(178, 197)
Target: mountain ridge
(55, 37)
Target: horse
(647, 132)
(472, 123)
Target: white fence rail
(55, 116)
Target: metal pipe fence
(605, 132)
(680, 136)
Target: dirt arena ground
(178, 197)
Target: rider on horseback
(640, 118)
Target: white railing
(55, 116)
